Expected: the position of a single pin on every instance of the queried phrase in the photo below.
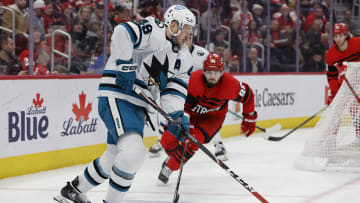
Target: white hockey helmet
(182, 15)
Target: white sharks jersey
(160, 66)
(199, 55)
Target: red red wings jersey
(202, 99)
(352, 53)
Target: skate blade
(61, 199)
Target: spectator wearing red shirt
(67, 12)
(286, 22)
(318, 14)
(49, 16)
(253, 33)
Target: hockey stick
(352, 89)
(202, 147)
(275, 128)
(271, 138)
(176, 194)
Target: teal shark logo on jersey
(158, 72)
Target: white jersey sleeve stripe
(135, 31)
(131, 32)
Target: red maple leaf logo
(38, 102)
(82, 111)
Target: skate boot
(70, 193)
(220, 151)
(165, 173)
(155, 149)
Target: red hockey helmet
(340, 28)
(214, 62)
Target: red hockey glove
(342, 71)
(248, 124)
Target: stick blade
(273, 129)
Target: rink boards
(52, 122)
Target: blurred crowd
(232, 35)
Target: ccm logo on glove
(128, 68)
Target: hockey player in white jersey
(147, 55)
(199, 55)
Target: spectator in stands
(275, 5)
(215, 22)
(277, 41)
(317, 14)
(253, 34)
(21, 17)
(99, 62)
(260, 19)
(78, 34)
(43, 54)
(9, 64)
(49, 16)
(38, 69)
(347, 20)
(236, 43)
(21, 42)
(67, 14)
(286, 22)
(239, 15)
(253, 63)
(219, 40)
(325, 5)
(289, 51)
(326, 27)
(98, 14)
(316, 62)
(226, 12)
(324, 42)
(313, 35)
(83, 16)
(39, 7)
(305, 6)
(234, 66)
(220, 49)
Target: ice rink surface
(266, 166)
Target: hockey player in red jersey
(209, 92)
(345, 49)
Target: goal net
(334, 143)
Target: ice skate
(165, 173)
(69, 194)
(220, 151)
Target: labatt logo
(30, 124)
(81, 124)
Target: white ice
(266, 166)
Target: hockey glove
(248, 124)
(180, 127)
(126, 76)
(342, 71)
